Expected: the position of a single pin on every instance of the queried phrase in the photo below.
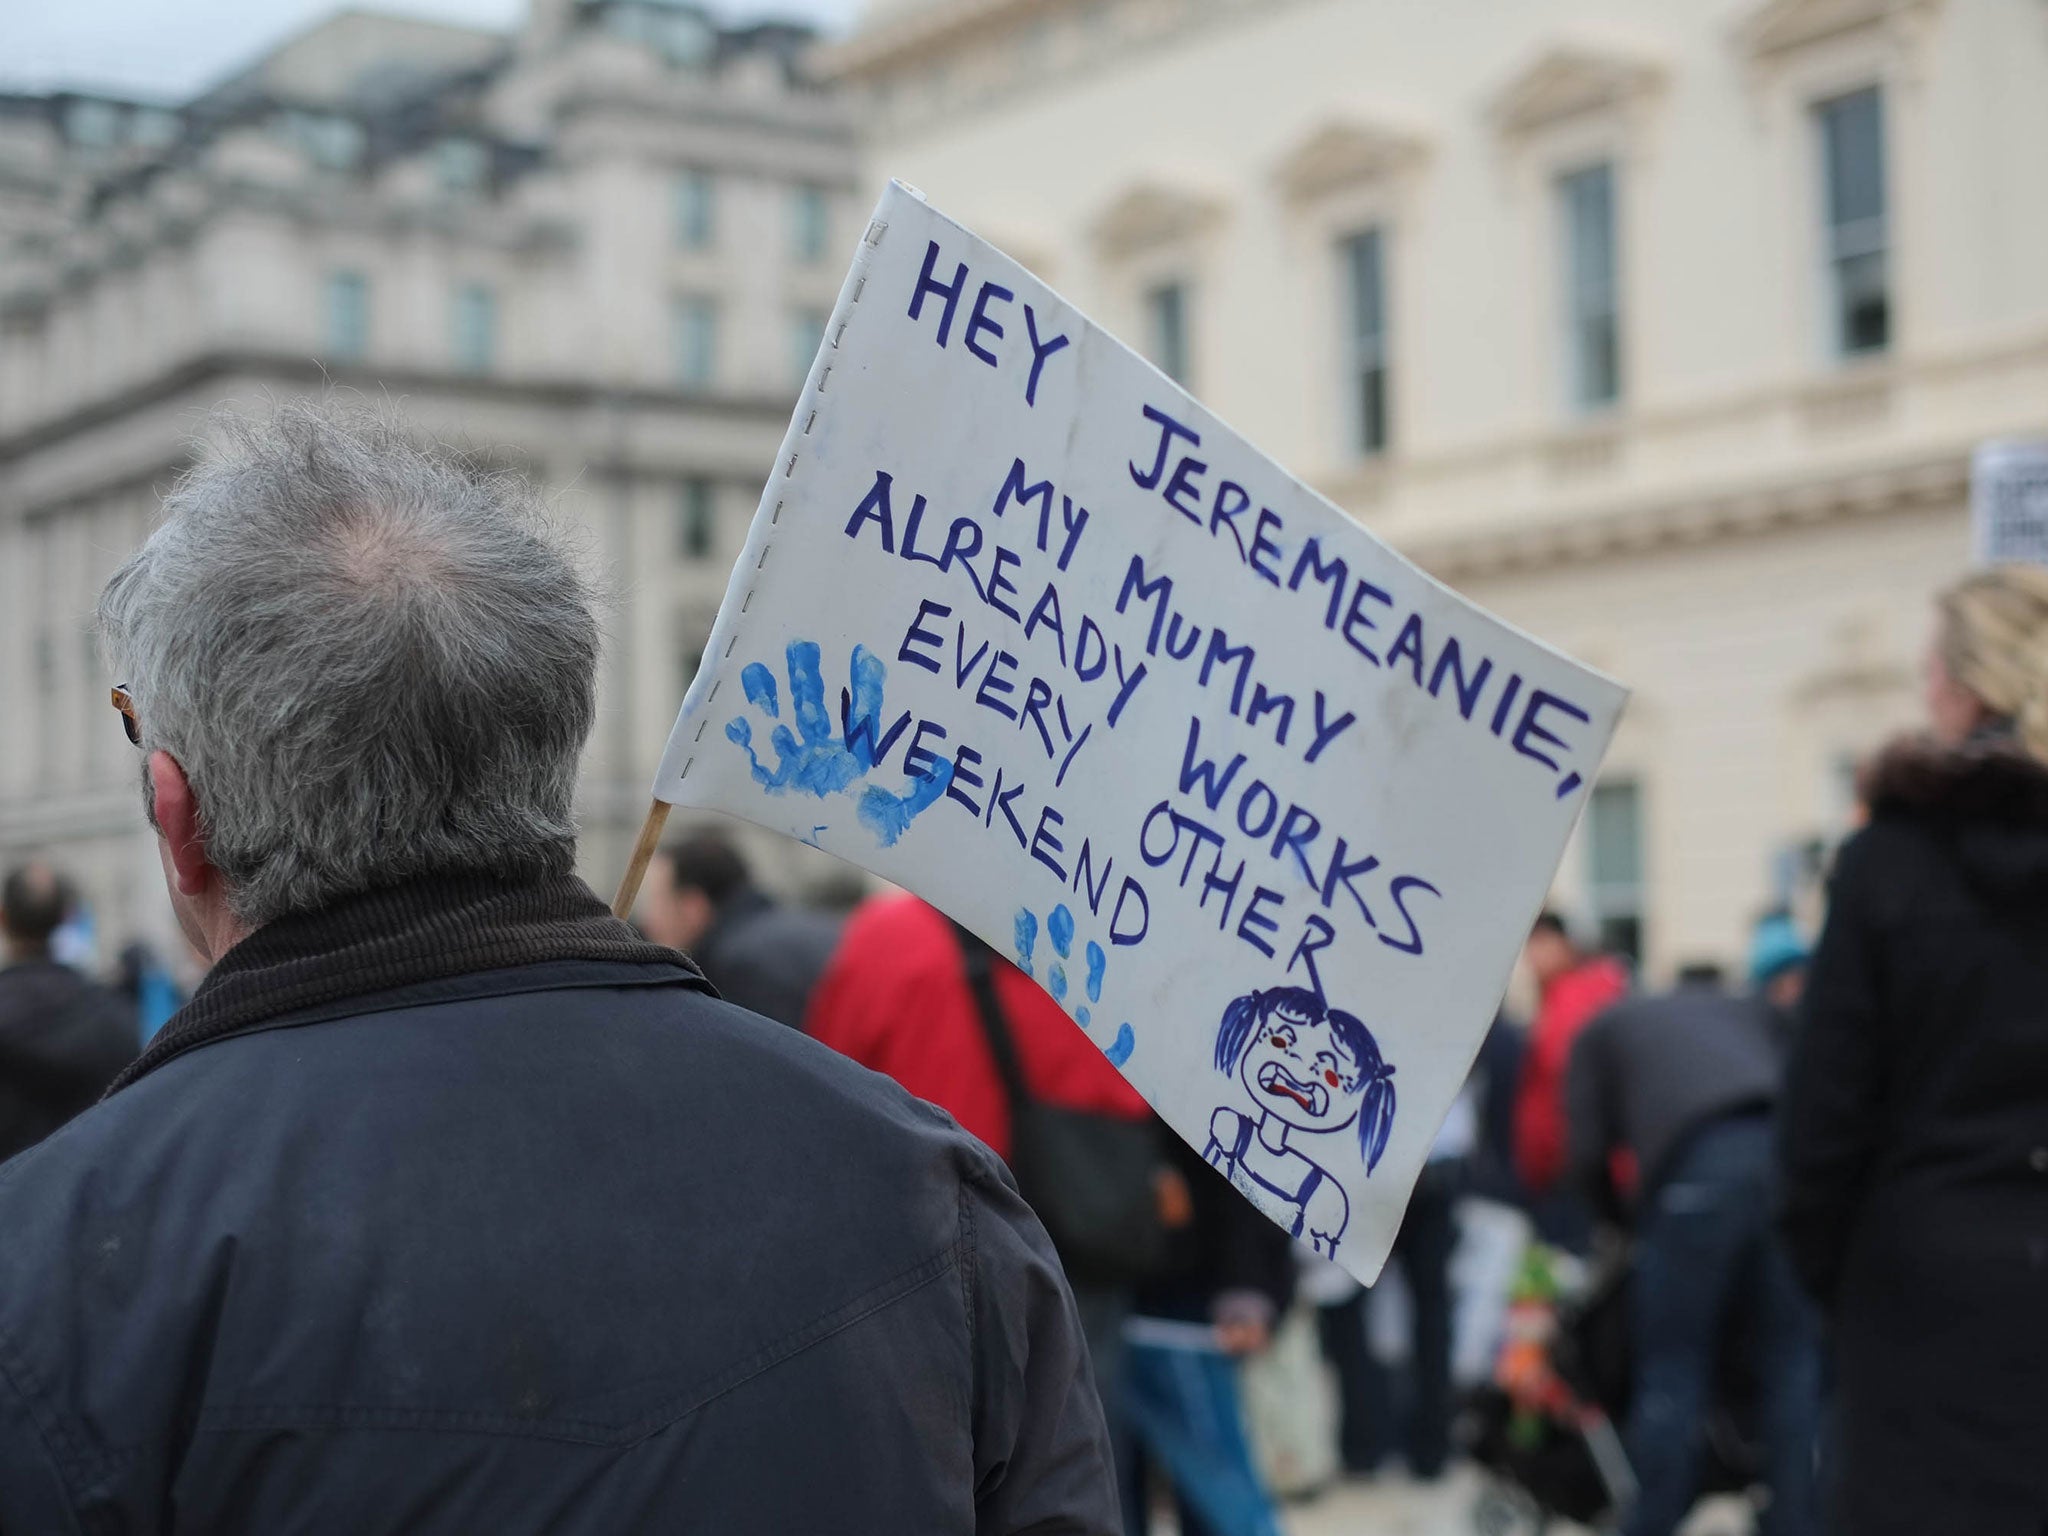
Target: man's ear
(177, 819)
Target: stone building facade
(602, 247)
(1664, 328)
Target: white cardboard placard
(2009, 501)
(1023, 628)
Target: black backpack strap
(981, 981)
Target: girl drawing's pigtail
(1376, 1114)
(1239, 1020)
(1376, 1119)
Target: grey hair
(373, 659)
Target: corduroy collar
(376, 941)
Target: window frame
(1168, 295)
(686, 309)
(1872, 235)
(697, 519)
(1367, 349)
(696, 209)
(346, 328)
(810, 224)
(1619, 902)
(472, 299)
(1582, 310)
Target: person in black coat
(448, 1203)
(761, 954)
(63, 1037)
(1915, 1124)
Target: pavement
(1394, 1505)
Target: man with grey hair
(448, 1203)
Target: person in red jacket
(896, 998)
(1573, 987)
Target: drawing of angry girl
(1309, 1068)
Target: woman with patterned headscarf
(1915, 1126)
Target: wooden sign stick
(643, 852)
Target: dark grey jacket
(767, 957)
(459, 1209)
(63, 1038)
(1653, 1069)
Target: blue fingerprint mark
(759, 685)
(1059, 980)
(1059, 927)
(1025, 938)
(1126, 1041)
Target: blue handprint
(1059, 928)
(820, 763)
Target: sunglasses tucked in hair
(125, 702)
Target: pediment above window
(1347, 152)
(1572, 79)
(1154, 213)
(1779, 26)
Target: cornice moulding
(1681, 522)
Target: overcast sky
(170, 48)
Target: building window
(810, 224)
(695, 523)
(1592, 297)
(462, 165)
(92, 124)
(1363, 257)
(474, 328)
(330, 142)
(1852, 162)
(696, 342)
(1614, 856)
(348, 315)
(806, 330)
(1166, 323)
(696, 211)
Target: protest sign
(2009, 502)
(1024, 629)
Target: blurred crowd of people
(1826, 1183)
(1831, 1170)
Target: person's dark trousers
(1705, 1248)
(1367, 1419)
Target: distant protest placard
(2009, 501)
(1023, 628)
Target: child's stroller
(1545, 1427)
